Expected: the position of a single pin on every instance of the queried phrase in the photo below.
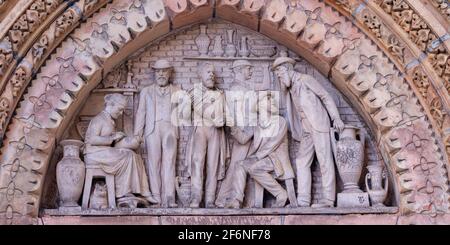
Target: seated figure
(268, 158)
(112, 151)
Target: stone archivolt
(392, 99)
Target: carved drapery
(407, 121)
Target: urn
(374, 184)
(202, 41)
(183, 188)
(349, 156)
(230, 49)
(218, 48)
(70, 173)
(243, 50)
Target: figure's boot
(233, 204)
(324, 203)
(171, 202)
(281, 200)
(209, 204)
(195, 200)
(151, 199)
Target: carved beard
(209, 83)
(162, 81)
(285, 80)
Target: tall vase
(70, 174)
(218, 48)
(202, 41)
(230, 49)
(377, 192)
(243, 50)
(349, 156)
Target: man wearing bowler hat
(153, 121)
(241, 115)
(309, 110)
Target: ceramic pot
(70, 174)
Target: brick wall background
(178, 46)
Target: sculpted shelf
(215, 211)
(233, 58)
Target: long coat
(315, 102)
(145, 114)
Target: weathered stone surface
(219, 212)
(403, 113)
(118, 220)
(349, 200)
(221, 220)
(341, 220)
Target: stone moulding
(386, 99)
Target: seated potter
(102, 142)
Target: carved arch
(387, 98)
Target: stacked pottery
(349, 155)
(70, 174)
(377, 192)
(202, 41)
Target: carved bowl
(129, 142)
(263, 50)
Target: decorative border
(384, 95)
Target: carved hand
(338, 124)
(139, 138)
(118, 136)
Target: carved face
(207, 76)
(162, 77)
(100, 189)
(247, 72)
(115, 110)
(282, 72)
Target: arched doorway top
(405, 124)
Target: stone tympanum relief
(220, 117)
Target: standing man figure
(241, 117)
(207, 147)
(309, 109)
(153, 120)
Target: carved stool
(92, 171)
(259, 194)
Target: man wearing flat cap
(309, 110)
(241, 116)
(153, 122)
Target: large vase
(70, 174)
(202, 41)
(377, 193)
(349, 156)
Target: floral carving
(18, 80)
(5, 54)
(372, 22)
(396, 47)
(4, 109)
(39, 48)
(437, 111)
(65, 21)
(443, 6)
(420, 79)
